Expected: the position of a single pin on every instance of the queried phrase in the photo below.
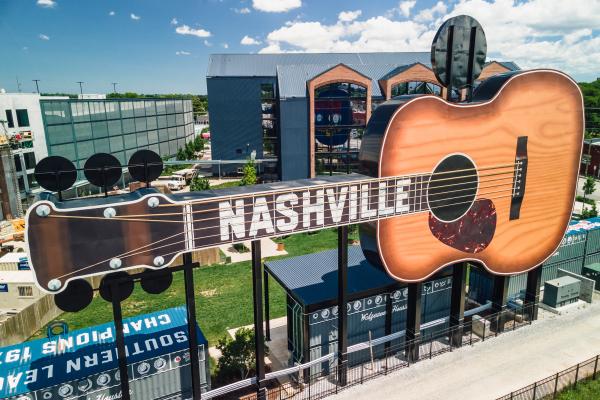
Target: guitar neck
(320, 204)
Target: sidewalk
(496, 367)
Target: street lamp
(37, 88)
(80, 86)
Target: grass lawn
(585, 390)
(226, 185)
(223, 293)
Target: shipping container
(590, 227)
(83, 364)
(592, 271)
(310, 282)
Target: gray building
(307, 111)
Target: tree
(181, 155)
(589, 186)
(199, 183)
(585, 213)
(249, 177)
(237, 359)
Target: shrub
(237, 359)
(199, 183)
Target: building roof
(312, 279)
(506, 64)
(25, 276)
(248, 65)
(13, 257)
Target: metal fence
(383, 356)
(548, 388)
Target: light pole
(37, 88)
(80, 86)
(115, 87)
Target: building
(39, 126)
(309, 110)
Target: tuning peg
(154, 283)
(145, 166)
(102, 170)
(77, 295)
(124, 286)
(55, 173)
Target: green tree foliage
(249, 177)
(181, 155)
(237, 360)
(199, 183)
(589, 213)
(589, 186)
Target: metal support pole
(457, 303)
(413, 321)
(190, 302)
(389, 309)
(267, 308)
(342, 301)
(259, 338)
(499, 300)
(120, 339)
(532, 293)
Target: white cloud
(25, 48)
(46, 3)
(44, 37)
(405, 6)
(174, 21)
(135, 17)
(182, 53)
(532, 33)
(348, 16)
(186, 30)
(207, 43)
(276, 6)
(244, 10)
(225, 45)
(111, 13)
(249, 41)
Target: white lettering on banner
(90, 360)
(402, 195)
(287, 212)
(308, 208)
(337, 207)
(31, 376)
(371, 316)
(106, 356)
(353, 203)
(261, 219)
(180, 337)
(228, 218)
(382, 208)
(365, 210)
(164, 319)
(73, 365)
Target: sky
(160, 46)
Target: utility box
(593, 272)
(561, 291)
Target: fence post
(362, 372)
(430, 348)
(534, 390)
(386, 360)
(595, 368)
(555, 386)
(514, 320)
(483, 338)
(471, 338)
(576, 375)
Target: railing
(548, 388)
(365, 361)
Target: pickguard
(472, 232)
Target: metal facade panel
(572, 246)
(293, 122)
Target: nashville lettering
(311, 209)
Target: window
(18, 163)
(29, 160)
(269, 121)
(9, 119)
(25, 291)
(22, 118)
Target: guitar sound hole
(452, 188)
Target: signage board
(4, 287)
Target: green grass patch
(226, 185)
(585, 200)
(585, 390)
(223, 292)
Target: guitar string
(373, 199)
(137, 252)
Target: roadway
(497, 366)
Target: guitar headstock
(73, 239)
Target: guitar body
(414, 134)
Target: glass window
(32, 182)
(97, 112)
(150, 108)
(163, 135)
(162, 121)
(179, 119)
(66, 150)
(9, 119)
(130, 141)
(170, 106)
(17, 160)
(155, 148)
(101, 146)
(112, 110)
(151, 123)
(21, 184)
(140, 124)
(161, 107)
(83, 131)
(56, 112)
(170, 119)
(29, 160)
(129, 153)
(164, 149)
(142, 139)
(180, 132)
(22, 118)
(60, 134)
(172, 133)
(126, 109)
(114, 128)
(128, 125)
(100, 129)
(85, 149)
(116, 143)
(180, 143)
(178, 106)
(80, 111)
(172, 147)
(267, 91)
(152, 137)
(139, 109)
(121, 157)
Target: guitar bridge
(519, 178)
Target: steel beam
(532, 293)
(259, 338)
(499, 301)
(457, 303)
(342, 301)
(120, 340)
(413, 321)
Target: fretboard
(236, 218)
